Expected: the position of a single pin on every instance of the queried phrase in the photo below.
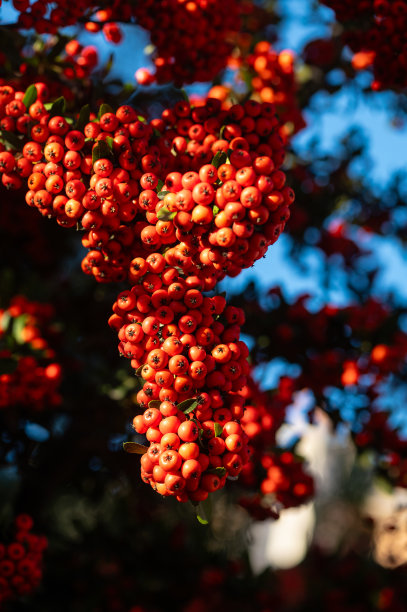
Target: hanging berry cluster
(21, 561)
(30, 376)
(375, 30)
(193, 380)
(173, 205)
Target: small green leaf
(219, 159)
(100, 151)
(166, 215)
(104, 108)
(58, 107)
(5, 320)
(201, 519)
(154, 404)
(215, 210)
(141, 118)
(30, 96)
(162, 194)
(184, 95)
(218, 429)
(219, 471)
(134, 448)
(204, 511)
(8, 365)
(160, 185)
(18, 326)
(188, 405)
(83, 119)
(11, 139)
(139, 371)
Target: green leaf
(141, 118)
(139, 371)
(8, 365)
(166, 215)
(184, 95)
(5, 320)
(134, 448)
(219, 159)
(154, 404)
(204, 511)
(58, 107)
(104, 108)
(18, 326)
(100, 151)
(11, 139)
(30, 96)
(215, 210)
(83, 119)
(57, 48)
(160, 185)
(188, 405)
(162, 194)
(219, 471)
(109, 140)
(218, 429)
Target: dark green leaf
(8, 138)
(184, 95)
(219, 159)
(108, 66)
(109, 140)
(58, 107)
(83, 118)
(100, 151)
(160, 185)
(8, 365)
(154, 404)
(188, 405)
(204, 511)
(104, 108)
(139, 370)
(30, 96)
(134, 448)
(218, 429)
(57, 48)
(166, 215)
(219, 471)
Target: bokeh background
(326, 322)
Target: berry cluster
(274, 80)
(21, 561)
(193, 367)
(201, 183)
(199, 49)
(30, 375)
(192, 39)
(273, 477)
(376, 33)
(173, 205)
